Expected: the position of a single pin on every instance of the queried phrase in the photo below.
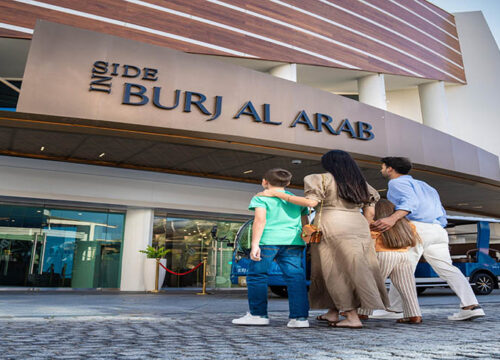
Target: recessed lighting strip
(16, 28)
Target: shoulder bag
(311, 234)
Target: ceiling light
(42, 148)
(248, 172)
(102, 154)
(381, 190)
(462, 204)
(296, 162)
(478, 207)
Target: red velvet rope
(184, 273)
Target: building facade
(126, 124)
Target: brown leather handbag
(311, 234)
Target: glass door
(22, 254)
(59, 247)
(220, 256)
(191, 239)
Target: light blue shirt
(418, 198)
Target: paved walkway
(179, 325)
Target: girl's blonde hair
(401, 235)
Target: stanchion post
(157, 275)
(204, 288)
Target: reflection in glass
(192, 239)
(48, 247)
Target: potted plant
(152, 255)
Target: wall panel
(412, 38)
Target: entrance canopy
(102, 143)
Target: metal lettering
(139, 93)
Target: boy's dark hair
(401, 164)
(278, 177)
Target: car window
(244, 238)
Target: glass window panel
(60, 247)
(189, 241)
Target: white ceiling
(329, 79)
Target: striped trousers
(396, 266)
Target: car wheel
(483, 284)
(420, 290)
(281, 291)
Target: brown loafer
(410, 320)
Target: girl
(392, 254)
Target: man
(421, 204)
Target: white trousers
(397, 267)
(435, 249)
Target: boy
(276, 236)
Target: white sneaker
(382, 314)
(467, 314)
(249, 319)
(295, 323)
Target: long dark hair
(401, 235)
(351, 184)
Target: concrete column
(371, 91)
(286, 71)
(434, 105)
(138, 235)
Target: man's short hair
(278, 177)
(401, 164)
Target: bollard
(204, 288)
(157, 275)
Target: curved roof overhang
(190, 100)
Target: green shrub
(155, 253)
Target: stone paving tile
(211, 336)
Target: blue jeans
(289, 259)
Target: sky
(490, 9)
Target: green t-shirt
(283, 220)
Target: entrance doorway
(191, 239)
(22, 253)
(56, 247)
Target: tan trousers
(397, 266)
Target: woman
(392, 252)
(345, 274)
